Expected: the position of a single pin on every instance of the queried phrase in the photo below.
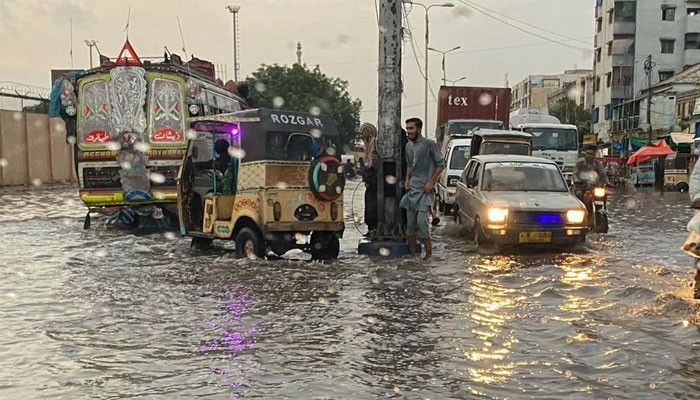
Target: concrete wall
(33, 149)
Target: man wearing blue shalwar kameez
(425, 164)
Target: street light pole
(233, 9)
(458, 80)
(444, 73)
(427, 41)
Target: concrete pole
(299, 53)
(648, 66)
(389, 120)
(235, 47)
(425, 97)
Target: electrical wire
(352, 209)
(522, 29)
(415, 55)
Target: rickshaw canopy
(659, 149)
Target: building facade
(627, 33)
(533, 92)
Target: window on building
(692, 41)
(594, 116)
(625, 11)
(693, 11)
(597, 54)
(608, 112)
(608, 79)
(610, 15)
(668, 13)
(667, 46)
(599, 24)
(663, 75)
(610, 47)
(597, 84)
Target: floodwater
(103, 314)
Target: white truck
(556, 142)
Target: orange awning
(658, 149)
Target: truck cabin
(464, 128)
(500, 142)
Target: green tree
(38, 108)
(569, 113)
(301, 89)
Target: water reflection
(492, 307)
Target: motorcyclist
(588, 172)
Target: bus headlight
(497, 215)
(575, 216)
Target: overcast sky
(339, 35)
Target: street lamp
(233, 9)
(427, 40)
(443, 59)
(458, 80)
(90, 44)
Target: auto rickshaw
(491, 141)
(677, 170)
(270, 180)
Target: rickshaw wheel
(249, 244)
(324, 246)
(682, 187)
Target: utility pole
(233, 9)
(648, 67)
(390, 234)
(91, 44)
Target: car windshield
(464, 128)
(553, 139)
(518, 149)
(522, 177)
(460, 155)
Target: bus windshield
(553, 139)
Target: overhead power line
(520, 28)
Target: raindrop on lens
(485, 99)
(17, 116)
(70, 139)
(260, 87)
(330, 151)
(59, 127)
(236, 153)
(386, 377)
(3, 162)
(157, 178)
(278, 102)
(142, 147)
(375, 280)
(36, 182)
(630, 203)
(169, 235)
(126, 165)
(384, 252)
(113, 146)
(544, 319)
(318, 246)
(191, 134)
(371, 319)
(567, 373)
(282, 185)
(321, 300)
(652, 386)
(316, 133)
(396, 389)
(686, 323)
(315, 111)
(390, 179)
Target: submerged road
(103, 314)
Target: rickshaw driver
(588, 169)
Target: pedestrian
(368, 134)
(425, 164)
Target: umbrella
(659, 149)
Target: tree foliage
(38, 108)
(298, 88)
(569, 113)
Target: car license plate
(535, 237)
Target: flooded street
(102, 314)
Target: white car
(456, 157)
(506, 199)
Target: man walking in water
(425, 164)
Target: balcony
(692, 23)
(624, 28)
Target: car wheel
(478, 233)
(324, 246)
(249, 244)
(448, 209)
(682, 187)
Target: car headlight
(599, 192)
(497, 214)
(575, 216)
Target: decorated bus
(127, 122)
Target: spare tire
(326, 178)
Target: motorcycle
(692, 248)
(595, 198)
